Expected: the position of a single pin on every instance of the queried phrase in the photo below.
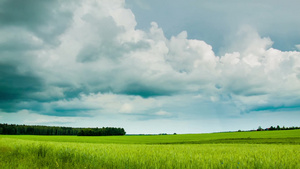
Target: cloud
(46, 19)
(16, 86)
(270, 82)
(91, 105)
(94, 61)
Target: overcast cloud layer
(88, 63)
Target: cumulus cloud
(258, 76)
(93, 60)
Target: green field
(263, 149)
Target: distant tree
(272, 128)
(259, 129)
(278, 127)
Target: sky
(150, 67)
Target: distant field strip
(261, 137)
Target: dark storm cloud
(46, 19)
(69, 112)
(283, 103)
(147, 90)
(27, 26)
(14, 84)
(17, 86)
(277, 108)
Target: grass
(217, 150)
(261, 137)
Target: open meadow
(263, 149)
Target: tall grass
(16, 153)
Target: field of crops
(266, 149)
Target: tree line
(277, 128)
(15, 129)
(104, 131)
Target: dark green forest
(277, 128)
(14, 129)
